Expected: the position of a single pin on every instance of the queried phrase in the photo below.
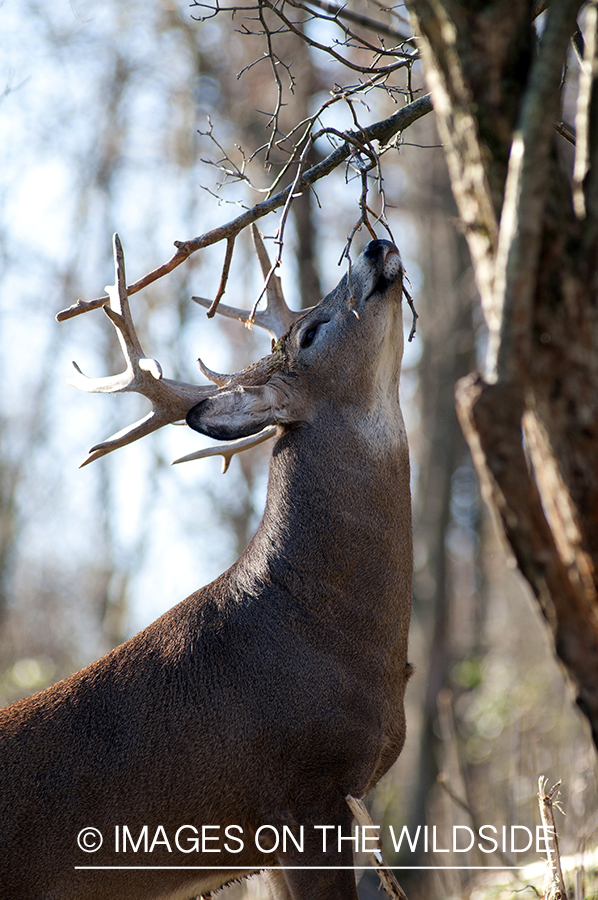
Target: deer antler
(228, 449)
(171, 400)
(276, 318)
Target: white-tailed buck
(224, 738)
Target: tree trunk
(531, 419)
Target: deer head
(316, 361)
(309, 347)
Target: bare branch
(342, 12)
(565, 131)
(230, 246)
(333, 14)
(363, 168)
(409, 299)
(229, 168)
(382, 132)
(388, 881)
(364, 217)
(554, 884)
(275, 63)
(407, 59)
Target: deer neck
(336, 531)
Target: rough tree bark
(531, 419)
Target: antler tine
(276, 310)
(232, 312)
(218, 379)
(277, 317)
(131, 433)
(119, 311)
(228, 449)
(171, 400)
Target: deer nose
(379, 249)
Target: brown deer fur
(269, 695)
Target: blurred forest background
(104, 110)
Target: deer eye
(308, 336)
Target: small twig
(565, 131)
(363, 218)
(387, 879)
(341, 12)
(230, 246)
(236, 173)
(409, 299)
(554, 885)
(380, 131)
(274, 64)
(279, 240)
(444, 784)
(306, 140)
(375, 158)
(363, 167)
(407, 59)
(527, 887)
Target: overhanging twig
(342, 12)
(382, 132)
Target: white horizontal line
(282, 868)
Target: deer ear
(234, 414)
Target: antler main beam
(171, 400)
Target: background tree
(531, 419)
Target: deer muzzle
(380, 265)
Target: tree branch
(342, 12)
(382, 132)
(528, 177)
